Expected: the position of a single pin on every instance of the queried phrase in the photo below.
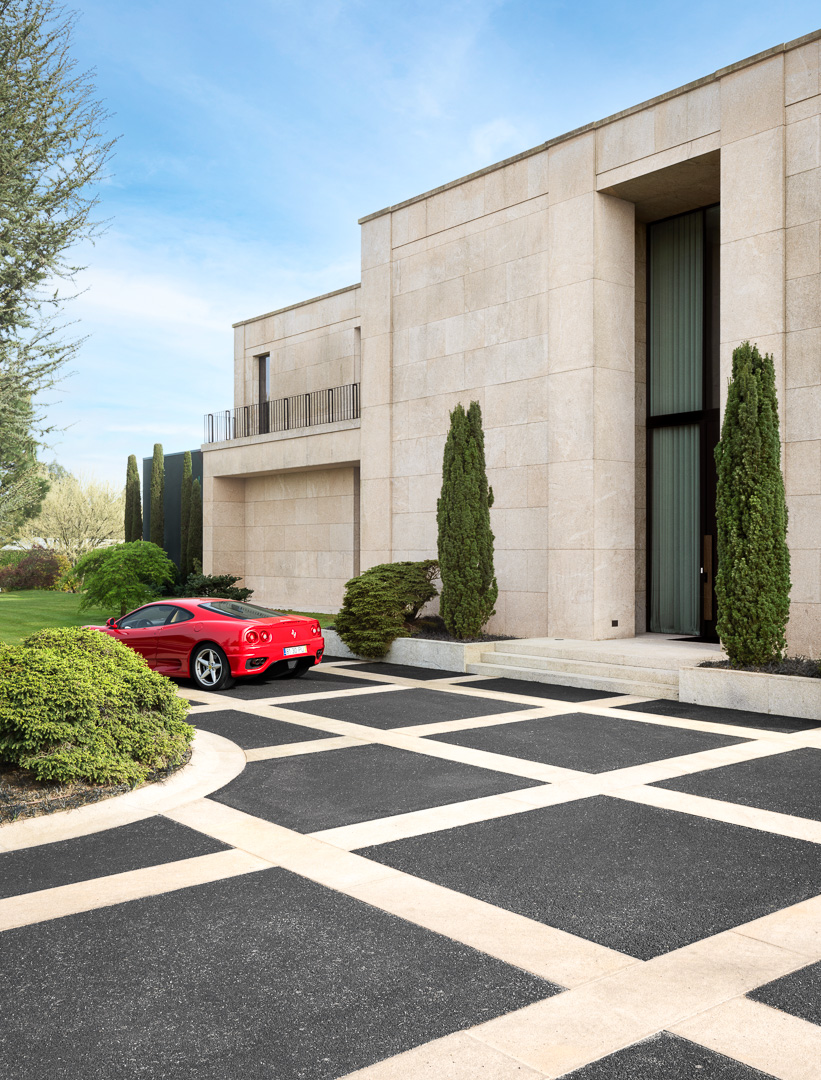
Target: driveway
(388, 872)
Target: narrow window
(264, 378)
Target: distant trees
(157, 518)
(133, 523)
(753, 579)
(78, 515)
(469, 588)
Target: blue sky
(253, 134)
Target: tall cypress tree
(753, 579)
(158, 497)
(469, 588)
(195, 526)
(185, 515)
(133, 506)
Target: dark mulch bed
(432, 628)
(23, 796)
(790, 665)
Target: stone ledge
(783, 695)
(418, 652)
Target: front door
(682, 422)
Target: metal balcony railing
(284, 414)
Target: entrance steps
(643, 666)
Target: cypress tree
(133, 507)
(195, 526)
(185, 515)
(469, 588)
(753, 579)
(158, 497)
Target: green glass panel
(674, 558)
(676, 277)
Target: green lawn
(23, 612)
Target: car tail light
(251, 636)
(315, 628)
(264, 635)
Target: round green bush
(383, 603)
(77, 705)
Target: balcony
(284, 414)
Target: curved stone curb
(215, 761)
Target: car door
(139, 629)
(174, 641)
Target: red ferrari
(214, 642)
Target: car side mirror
(111, 622)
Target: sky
(253, 134)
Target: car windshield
(239, 610)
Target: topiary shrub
(219, 585)
(77, 705)
(382, 603)
(38, 569)
(753, 579)
(465, 542)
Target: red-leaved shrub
(39, 569)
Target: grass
(25, 611)
(321, 617)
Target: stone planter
(419, 652)
(784, 695)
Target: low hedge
(383, 604)
(77, 705)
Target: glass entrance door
(682, 414)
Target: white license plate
(295, 650)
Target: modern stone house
(588, 293)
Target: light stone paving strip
(101, 892)
(761, 1037)
(314, 746)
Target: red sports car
(216, 641)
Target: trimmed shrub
(382, 604)
(219, 585)
(753, 579)
(39, 568)
(77, 705)
(465, 544)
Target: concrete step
(637, 652)
(587, 681)
(584, 668)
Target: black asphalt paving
(787, 783)
(404, 671)
(250, 731)
(265, 975)
(573, 694)
(588, 743)
(401, 708)
(339, 787)
(150, 842)
(666, 1057)
(313, 682)
(713, 715)
(798, 994)
(631, 877)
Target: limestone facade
(523, 287)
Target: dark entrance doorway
(682, 422)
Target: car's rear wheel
(210, 669)
(300, 668)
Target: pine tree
(133, 506)
(157, 497)
(469, 588)
(195, 526)
(185, 515)
(753, 579)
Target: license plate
(294, 650)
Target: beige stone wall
(802, 374)
(312, 346)
(299, 538)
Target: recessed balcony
(284, 414)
